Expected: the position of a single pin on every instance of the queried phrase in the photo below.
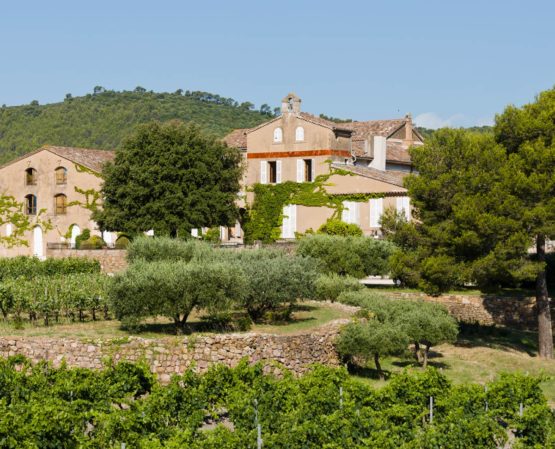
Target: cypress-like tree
(170, 178)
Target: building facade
(298, 147)
(58, 186)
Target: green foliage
(123, 242)
(328, 287)
(49, 407)
(421, 323)
(437, 274)
(31, 267)
(93, 242)
(152, 249)
(13, 212)
(173, 289)
(170, 178)
(84, 236)
(354, 256)
(212, 235)
(274, 281)
(105, 119)
(339, 227)
(53, 297)
(362, 341)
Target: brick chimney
(408, 129)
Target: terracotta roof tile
(363, 130)
(93, 159)
(323, 122)
(237, 138)
(395, 178)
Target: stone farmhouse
(61, 185)
(57, 185)
(297, 146)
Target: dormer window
(278, 135)
(61, 175)
(31, 205)
(30, 177)
(299, 134)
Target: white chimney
(379, 153)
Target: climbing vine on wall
(265, 216)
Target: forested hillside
(427, 132)
(102, 119)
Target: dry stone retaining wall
(111, 260)
(167, 356)
(485, 309)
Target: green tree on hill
(170, 178)
(481, 202)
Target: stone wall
(483, 309)
(171, 355)
(111, 260)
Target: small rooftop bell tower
(291, 104)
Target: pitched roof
(362, 130)
(92, 159)
(395, 178)
(237, 138)
(324, 122)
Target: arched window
(278, 135)
(61, 175)
(299, 134)
(30, 177)
(61, 204)
(31, 205)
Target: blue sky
(447, 62)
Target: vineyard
(124, 406)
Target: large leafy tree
(482, 201)
(170, 177)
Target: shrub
(212, 235)
(438, 274)
(274, 279)
(122, 242)
(174, 289)
(339, 227)
(85, 235)
(354, 256)
(94, 242)
(328, 287)
(151, 249)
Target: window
(61, 175)
(299, 134)
(278, 135)
(272, 172)
(31, 205)
(61, 204)
(305, 170)
(350, 212)
(376, 211)
(30, 177)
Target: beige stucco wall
(12, 182)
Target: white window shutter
(376, 211)
(345, 213)
(194, 232)
(300, 170)
(356, 213)
(293, 220)
(313, 170)
(403, 206)
(285, 224)
(278, 172)
(263, 172)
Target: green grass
(480, 354)
(305, 316)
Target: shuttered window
(376, 211)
